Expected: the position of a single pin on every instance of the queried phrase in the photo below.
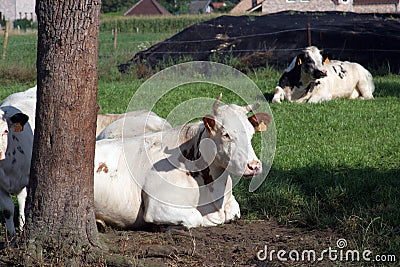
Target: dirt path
(235, 244)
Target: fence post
(7, 29)
(308, 34)
(115, 38)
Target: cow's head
(9, 126)
(312, 63)
(231, 131)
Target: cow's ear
(299, 60)
(260, 121)
(326, 57)
(209, 122)
(18, 121)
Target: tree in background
(109, 6)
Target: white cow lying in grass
(172, 177)
(135, 123)
(16, 126)
(312, 78)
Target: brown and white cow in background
(312, 78)
(179, 176)
(135, 123)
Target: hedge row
(152, 24)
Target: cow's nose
(254, 167)
(320, 73)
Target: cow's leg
(213, 213)
(304, 98)
(157, 212)
(320, 93)
(232, 209)
(354, 95)
(7, 206)
(366, 88)
(279, 95)
(219, 214)
(222, 210)
(21, 197)
(230, 205)
(319, 98)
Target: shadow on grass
(363, 203)
(269, 96)
(387, 89)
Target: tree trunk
(60, 213)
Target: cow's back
(345, 78)
(24, 102)
(134, 125)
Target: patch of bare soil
(235, 244)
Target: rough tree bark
(60, 213)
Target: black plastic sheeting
(274, 39)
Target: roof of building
(196, 6)
(374, 2)
(218, 4)
(244, 6)
(147, 7)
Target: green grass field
(337, 164)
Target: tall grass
(152, 24)
(20, 62)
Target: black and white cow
(15, 152)
(16, 141)
(312, 77)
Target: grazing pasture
(337, 164)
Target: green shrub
(25, 24)
(151, 24)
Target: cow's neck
(204, 173)
(306, 81)
(14, 154)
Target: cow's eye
(226, 135)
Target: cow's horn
(251, 107)
(216, 104)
